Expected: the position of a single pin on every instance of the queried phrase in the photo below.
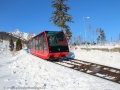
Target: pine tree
(98, 39)
(119, 37)
(68, 34)
(101, 38)
(18, 45)
(60, 16)
(11, 45)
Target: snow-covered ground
(96, 56)
(23, 71)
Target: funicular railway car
(49, 45)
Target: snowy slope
(6, 75)
(100, 57)
(22, 69)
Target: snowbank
(32, 72)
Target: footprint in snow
(44, 86)
(7, 80)
(14, 72)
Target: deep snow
(96, 56)
(23, 70)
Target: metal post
(85, 28)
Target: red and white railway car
(49, 45)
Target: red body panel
(45, 54)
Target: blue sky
(34, 15)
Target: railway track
(102, 71)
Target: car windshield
(56, 38)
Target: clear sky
(34, 15)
